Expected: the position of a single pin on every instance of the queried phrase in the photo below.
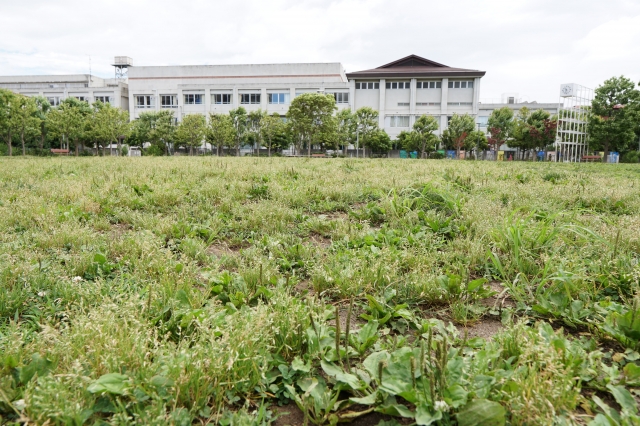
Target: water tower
(122, 64)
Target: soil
(485, 328)
(343, 313)
(295, 417)
(337, 215)
(501, 299)
(304, 288)
(320, 241)
(222, 249)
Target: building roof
(414, 66)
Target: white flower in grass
(77, 279)
(441, 406)
(42, 293)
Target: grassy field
(204, 290)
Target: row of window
(430, 103)
(171, 101)
(461, 85)
(419, 85)
(56, 100)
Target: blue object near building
(451, 154)
(414, 154)
(403, 154)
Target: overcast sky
(526, 47)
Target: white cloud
(527, 46)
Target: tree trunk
(119, 143)
(75, 143)
(42, 136)
(9, 144)
(24, 152)
(218, 150)
(606, 151)
(309, 147)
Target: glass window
(456, 85)
(419, 85)
(341, 98)
(168, 101)
(463, 84)
(376, 86)
(470, 84)
(438, 85)
(222, 98)
(388, 85)
(193, 99)
(144, 101)
(399, 121)
(394, 85)
(278, 98)
(451, 85)
(357, 85)
(250, 98)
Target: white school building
(400, 91)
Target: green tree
(191, 131)
(43, 109)
(272, 129)
(615, 112)
(379, 142)
(255, 121)
(8, 104)
(476, 140)
(346, 128)
(500, 126)
(155, 127)
(26, 121)
(239, 120)
(366, 125)
(110, 125)
(460, 126)
(311, 119)
(422, 137)
(220, 132)
(68, 122)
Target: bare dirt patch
(320, 241)
(502, 298)
(343, 313)
(485, 328)
(223, 249)
(304, 288)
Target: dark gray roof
(414, 66)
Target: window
(250, 98)
(403, 103)
(169, 101)
(104, 99)
(193, 99)
(459, 103)
(222, 98)
(54, 100)
(482, 121)
(399, 121)
(398, 85)
(511, 100)
(367, 85)
(341, 98)
(145, 101)
(427, 103)
(278, 98)
(461, 85)
(429, 85)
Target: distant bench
(60, 151)
(591, 158)
(318, 155)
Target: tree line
(312, 122)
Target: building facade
(204, 89)
(413, 86)
(56, 88)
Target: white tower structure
(122, 64)
(572, 139)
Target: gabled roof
(414, 66)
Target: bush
(153, 150)
(630, 157)
(436, 156)
(124, 150)
(4, 149)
